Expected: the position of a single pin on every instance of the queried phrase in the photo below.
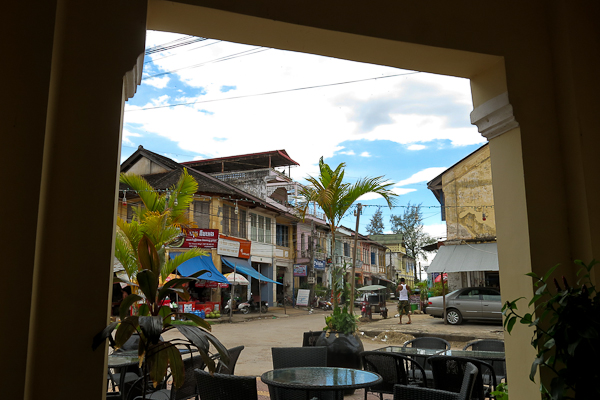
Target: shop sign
(211, 284)
(302, 298)
(233, 247)
(200, 284)
(223, 285)
(319, 265)
(299, 270)
(201, 238)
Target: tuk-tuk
(373, 301)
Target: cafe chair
(290, 357)
(225, 387)
(188, 390)
(229, 368)
(485, 345)
(490, 345)
(403, 392)
(426, 342)
(310, 338)
(394, 368)
(448, 371)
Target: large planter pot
(342, 350)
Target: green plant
(422, 286)
(566, 331)
(501, 392)
(341, 320)
(141, 248)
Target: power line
(274, 92)
(221, 59)
(176, 54)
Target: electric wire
(273, 92)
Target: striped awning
(465, 258)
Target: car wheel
(453, 316)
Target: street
(277, 329)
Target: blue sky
(214, 99)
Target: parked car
(468, 303)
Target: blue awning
(244, 266)
(199, 263)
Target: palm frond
(143, 189)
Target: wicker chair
(449, 371)
(426, 343)
(186, 391)
(225, 387)
(485, 345)
(229, 368)
(310, 338)
(393, 368)
(490, 345)
(290, 357)
(402, 392)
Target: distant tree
(375, 226)
(410, 225)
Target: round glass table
(316, 382)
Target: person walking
(403, 304)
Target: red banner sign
(202, 238)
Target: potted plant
(566, 324)
(340, 334)
(141, 248)
(335, 197)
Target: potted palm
(335, 197)
(141, 248)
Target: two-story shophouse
(469, 255)
(398, 264)
(289, 249)
(245, 224)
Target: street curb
(446, 336)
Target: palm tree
(335, 197)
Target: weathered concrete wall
(145, 167)
(469, 198)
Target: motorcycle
(325, 304)
(253, 306)
(236, 308)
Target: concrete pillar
(71, 71)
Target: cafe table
(320, 382)
(121, 362)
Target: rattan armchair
(290, 357)
(394, 368)
(225, 387)
(490, 345)
(403, 392)
(426, 342)
(449, 371)
(229, 367)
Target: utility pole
(358, 212)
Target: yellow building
(532, 67)
(470, 253)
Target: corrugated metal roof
(465, 257)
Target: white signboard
(303, 295)
(228, 248)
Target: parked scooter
(237, 307)
(253, 306)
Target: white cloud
(416, 147)
(365, 154)
(307, 123)
(422, 176)
(436, 230)
(159, 83)
(126, 137)
(401, 191)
